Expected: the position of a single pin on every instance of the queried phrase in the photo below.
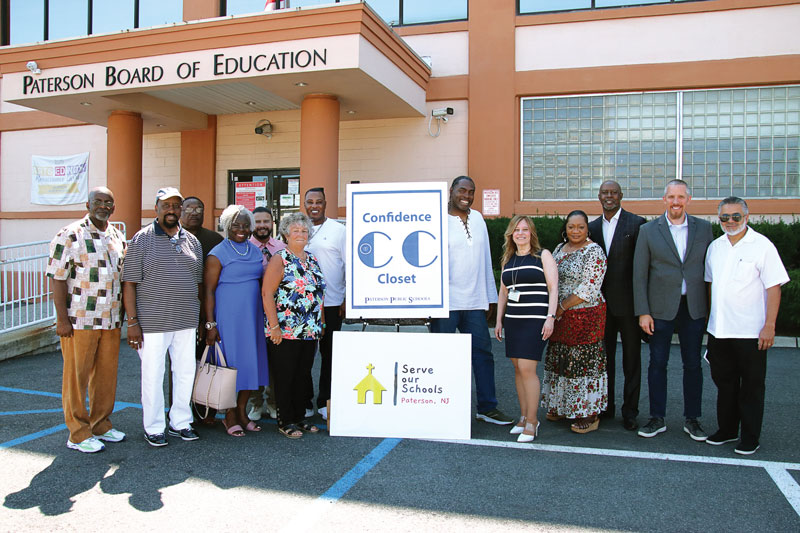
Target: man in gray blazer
(669, 294)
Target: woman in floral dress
(292, 292)
(575, 381)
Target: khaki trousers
(90, 361)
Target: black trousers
(333, 323)
(290, 365)
(628, 328)
(738, 369)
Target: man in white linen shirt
(327, 243)
(746, 274)
(472, 291)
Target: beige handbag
(214, 385)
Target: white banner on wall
(397, 265)
(60, 180)
(402, 385)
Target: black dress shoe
(630, 424)
(608, 414)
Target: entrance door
(279, 190)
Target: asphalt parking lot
(606, 480)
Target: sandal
(305, 426)
(291, 431)
(584, 426)
(252, 426)
(234, 431)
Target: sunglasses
(175, 242)
(737, 217)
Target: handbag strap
(220, 357)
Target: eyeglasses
(100, 203)
(737, 217)
(176, 243)
(192, 210)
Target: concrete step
(32, 340)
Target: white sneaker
(323, 412)
(90, 445)
(112, 435)
(309, 413)
(255, 413)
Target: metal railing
(25, 296)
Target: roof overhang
(176, 76)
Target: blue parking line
(33, 412)
(352, 477)
(33, 436)
(34, 392)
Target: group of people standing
(619, 274)
(271, 303)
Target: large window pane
(26, 21)
(417, 11)
(614, 3)
(68, 18)
(242, 7)
(389, 10)
(742, 142)
(158, 12)
(536, 6)
(111, 15)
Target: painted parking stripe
(33, 412)
(34, 392)
(778, 471)
(33, 436)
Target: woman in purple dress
(235, 313)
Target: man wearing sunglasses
(746, 274)
(161, 292)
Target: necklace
(246, 248)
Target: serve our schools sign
(401, 385)
(397, 265)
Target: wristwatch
(210, 325)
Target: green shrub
(785, 236)
(788, 322)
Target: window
(393, 12)
(721, 141)
(29, 21)
(544, 6)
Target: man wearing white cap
(163, 271)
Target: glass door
(278, 190)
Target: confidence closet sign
(219, 64)
(397, 250)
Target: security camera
(33, 67)
(442, 112)
(264, 127)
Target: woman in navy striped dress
(526, 306)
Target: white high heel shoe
(515, 429)
(529, 438)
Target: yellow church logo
(369, 383)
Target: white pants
(181, 346)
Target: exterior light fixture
(86, 104)
(33, 67)
(301, 84)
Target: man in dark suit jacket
(616, 232)
(669, 294)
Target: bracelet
(273, 328)
(134, 324)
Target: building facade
(544, 100)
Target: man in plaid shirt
(85, 267)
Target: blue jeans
(690, 333)
(474, 322)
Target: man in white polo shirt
(327, 243)
(746, 274)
